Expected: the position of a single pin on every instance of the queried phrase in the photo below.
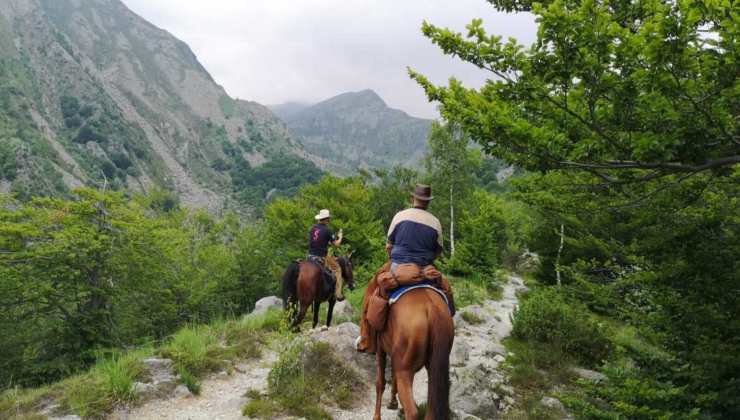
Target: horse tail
(438, 402)
(290, 284)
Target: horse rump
(290, 284)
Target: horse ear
(349, 257)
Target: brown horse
(303, 285)
(418, 333)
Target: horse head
(345, 263)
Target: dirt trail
(222, 396)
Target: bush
(545, 316)
(304, 375)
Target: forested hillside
(94, 95)
(357, 130)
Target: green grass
(305, 375)
(195, 350)
(534, 369)
(471, 318)
(475, 289)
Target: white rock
(182, 392)
(495, 348)
(499, 358)
(267, 303)
(343, 308)
(589, 375)
(552, 403)
(460, 353)
(342, 340)
(473, 391)
(143, 389)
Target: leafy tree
(627, 90)
(450, 166)
(629, 111)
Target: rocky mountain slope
(358, 129)
(92, 94)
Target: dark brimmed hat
(423, 192)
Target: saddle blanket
(426, 284)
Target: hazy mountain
(90, 92)
(288, 109)
(358, 129)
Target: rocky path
(478, 387)
(222, 396)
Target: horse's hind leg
(393, 403)
(316, 306)
(379, 381)
(405, 382)
(299, 316)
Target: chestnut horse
(418, 333)
(303, 284)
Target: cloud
(308, 50)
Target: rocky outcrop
(266, 303)
(342, 339)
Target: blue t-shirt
(416, 236)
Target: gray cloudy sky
(274, 51)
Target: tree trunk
(557, 260)
(452, 224)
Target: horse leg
(316, 305)
(299, 317)
(379, 381)
(405, 382)
(329, 314)
(393, 403)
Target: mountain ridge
(359, 130)
(101, 96)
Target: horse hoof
(393, 405)
(339, 299)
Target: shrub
(545, 316)
(304, 375)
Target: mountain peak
(364, 97)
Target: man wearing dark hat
(415, 235)
(414, 241)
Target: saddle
(329, 280)
(391, 286)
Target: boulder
(343, 309)
(161, 376)
(527, 262)
(342, 339)
(182, 392)
(473, 391)
(267, 303)
(552, 403)
(589, 375)
(143, 390)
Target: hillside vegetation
(93, 95)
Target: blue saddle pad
(426, 284)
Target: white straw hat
(323, 214)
